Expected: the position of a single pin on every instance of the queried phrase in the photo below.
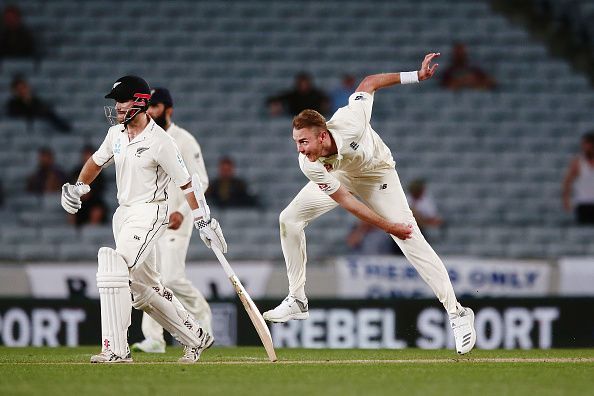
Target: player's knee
(141, 295)
(112, 270)
(288, 221)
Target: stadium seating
(494, 161)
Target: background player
(345, 156)
(172, 247)
(146, 159)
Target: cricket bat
(244, 297)
(250, 307)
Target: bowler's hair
(308, 119)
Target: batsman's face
(309, 142)
(122, 108)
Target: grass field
(245, 371)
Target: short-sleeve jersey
(192, 155)
(144, 166)
(360, 148)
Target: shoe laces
(189, 352)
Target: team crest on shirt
(141, 150)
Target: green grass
(245, 371)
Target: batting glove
(210, 232)
(71, 196)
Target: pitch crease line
(322, 362)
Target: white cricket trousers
(382, 192)
(136, 230)
(172, 249)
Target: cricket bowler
(344, 158)
(172, 247)
(146, 159)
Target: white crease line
(323, 362)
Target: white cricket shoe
(149, 346)
(289, 308)
(192, 354)
(463, 329)
(107, 356)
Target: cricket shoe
(107, 356)
(463, 329)
(149, 346)
(192, 354)
(289, 308)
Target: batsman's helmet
(128, 88)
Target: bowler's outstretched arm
(374, 82)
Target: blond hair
(310, 119)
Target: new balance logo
(383, 186)
(354, 145)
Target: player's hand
(211, 233)
(71, 196)
(175, 220)
(427, 70)
(567, 204)
(400, 230)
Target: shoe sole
(295, 316)
(114, 361)
(472, 334)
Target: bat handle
(223, 260)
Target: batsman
(146, 159)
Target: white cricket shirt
(361, 151)
(144, 166)
(192, 155)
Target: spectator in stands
(366, 239)
(94, 209)
(580, 178)
(47, 178)
(16, 39)
(24, 104)
(304, 95)
(423, 206)
(228, 190)
(340, 95)
(461, 74)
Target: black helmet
(128, 88)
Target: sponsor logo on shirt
(180, 160)
(354, 145)
(117, 147)
(324, 186)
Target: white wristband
(409, 77)
(197, 213)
